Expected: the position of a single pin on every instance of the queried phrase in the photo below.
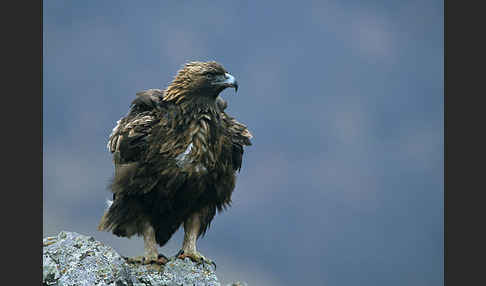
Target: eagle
(176, 154)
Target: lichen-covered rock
(74, 259)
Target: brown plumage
(176, 154)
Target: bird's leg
(151, 254)
(149, 243)
(191, 232)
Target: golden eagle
(176, 154)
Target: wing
(128, 140)
(240, 136)
(145, 145)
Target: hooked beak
(229, 81)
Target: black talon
(204, 261)
(179, 253)
(162, 256)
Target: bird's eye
(211, 74)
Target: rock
(74, 259)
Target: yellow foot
(161, 260)
(196, 257)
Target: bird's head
(200, 80)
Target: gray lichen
(74, 259)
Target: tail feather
(124, 217)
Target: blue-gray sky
(344, 182)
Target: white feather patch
(115, 129)
(108, 203)
(181, 158)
